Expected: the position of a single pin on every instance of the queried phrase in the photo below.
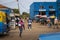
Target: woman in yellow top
(52, 19)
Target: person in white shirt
(29, 24)
(55, 23)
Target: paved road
(32, 34)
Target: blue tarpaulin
(50, 36)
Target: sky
(24, 5)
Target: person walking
(55, 23)
(49, 22)
(17, 20)
(52, 19)
(23, 24)
(29, 23)
(21, 27)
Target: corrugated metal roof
(2, 6)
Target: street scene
(30, 20)
(27, 34)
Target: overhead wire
(22, 6)
(17, 4)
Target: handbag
(19, 24)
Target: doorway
(42, 13)
(52, 13)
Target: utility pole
(18, 6)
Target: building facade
(58, 8)
(45, 8)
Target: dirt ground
(32, 34)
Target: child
(29, 24)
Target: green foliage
(16, 10)
(25, 14)
(21, 16)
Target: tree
(25, 14)
(16, 10)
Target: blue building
(45, 8)
(58, 8)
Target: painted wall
(35, 8)
(58, 9)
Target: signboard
(42, 9)
(12, 25)
(51, 9)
